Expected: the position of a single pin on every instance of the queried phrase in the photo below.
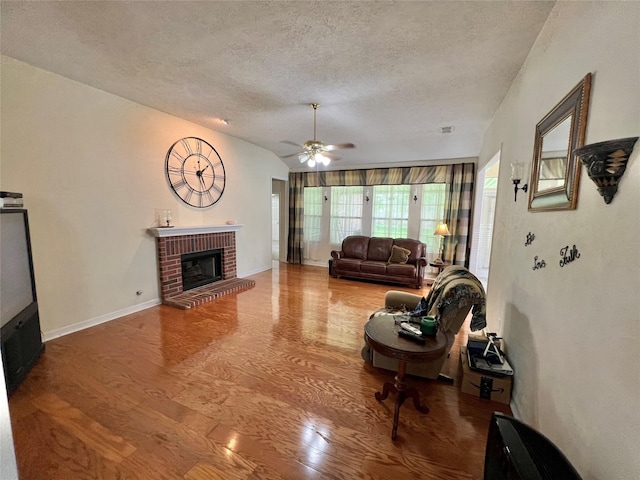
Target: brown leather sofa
(369, 258)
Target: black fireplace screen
(201, 268)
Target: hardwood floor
(261, 384)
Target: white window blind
(312, 214)
(346, 213)
(431, 213)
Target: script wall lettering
(568, 256)
(537, 265)
(530, 238)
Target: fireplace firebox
(201, 268)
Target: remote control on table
(411, 336)
(410, 328)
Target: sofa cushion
(379, 249)
(348, 264)
(377, 268)
(355, 246)
(401, 270)
(416, 247)
(399, 254)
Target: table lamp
(443, 231)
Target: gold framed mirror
(555, 173)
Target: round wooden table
(439, 266)
(381, 334)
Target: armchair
(453, 294)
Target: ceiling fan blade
(292, 155)
(330, 156)
(339, 146)
(288, 142)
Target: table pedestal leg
(402, 392)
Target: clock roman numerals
(187, 147)
(198, 179)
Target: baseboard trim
(254, 271)
(92, 322)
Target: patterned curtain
(296, 217)
(459, 179)
(457, 247)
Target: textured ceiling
(387, 75)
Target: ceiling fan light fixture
(316, 152)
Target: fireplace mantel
(194, 230)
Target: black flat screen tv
(516, 451)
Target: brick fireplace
(174, 242)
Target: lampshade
(314, 158)
(319, 158)
(442, 229)
(517, 170)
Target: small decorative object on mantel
(530, 238)
(164, 218)
(606, 162)
(568, 256)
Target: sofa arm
(421, 262)
(336, 254)
(396, 298)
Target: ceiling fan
(314, 151)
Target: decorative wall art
(567, 256)
(606, 162)
(538, 264)
(530, 238)
(195, 172)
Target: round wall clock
(195, 172)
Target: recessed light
(224, 121)
(448, 129)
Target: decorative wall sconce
(606, 162)
(516, 176)
(415, 195)
(366, 196)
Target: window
(431, 212)
(346, 213)
(312, 214)
(390, 211)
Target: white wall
(573, 333)
(91, 168)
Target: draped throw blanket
(466, 286)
